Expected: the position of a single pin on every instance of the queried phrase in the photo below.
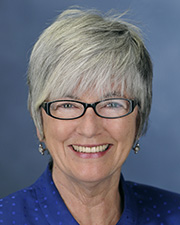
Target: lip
(89, 155)
(91, 145)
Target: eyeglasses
(70, 109)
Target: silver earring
(41, 149)
(136, 148)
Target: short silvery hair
(86, 50)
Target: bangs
(97, 75)
(82, 53)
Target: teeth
(96, 149)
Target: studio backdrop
(21, 22)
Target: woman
(90, 91)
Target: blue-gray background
(21, 22)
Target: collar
(129, 215)
(56, 212)
(50, 201)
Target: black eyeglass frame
(46, 107)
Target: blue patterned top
(42, 204)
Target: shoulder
(40, 203)
(22, 207)
(19, 197)
(156, 203)
(146, 190)
(14, 207)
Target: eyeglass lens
(108, 108)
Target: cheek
(123, 130)
(56, 132)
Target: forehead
(92, 93)
(105, 94)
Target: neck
(91, 203)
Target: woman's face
(89, 132)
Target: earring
(41, 149)
(136, 148)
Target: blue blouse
(42, 204)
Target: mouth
(94, 149)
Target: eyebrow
(113, 94)
(108, 95)
(70, 96)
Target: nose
(90, 125)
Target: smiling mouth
(95, 149)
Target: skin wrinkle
(91, 201)
(85, 200)
(62, 64)
(87, 54)
(89, 185)
(61, 59)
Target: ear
(138, 122)
(41, 139)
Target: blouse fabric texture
(41, 203)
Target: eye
(66, 105)
(62, 106)
(114, 105)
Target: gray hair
(86, 50)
